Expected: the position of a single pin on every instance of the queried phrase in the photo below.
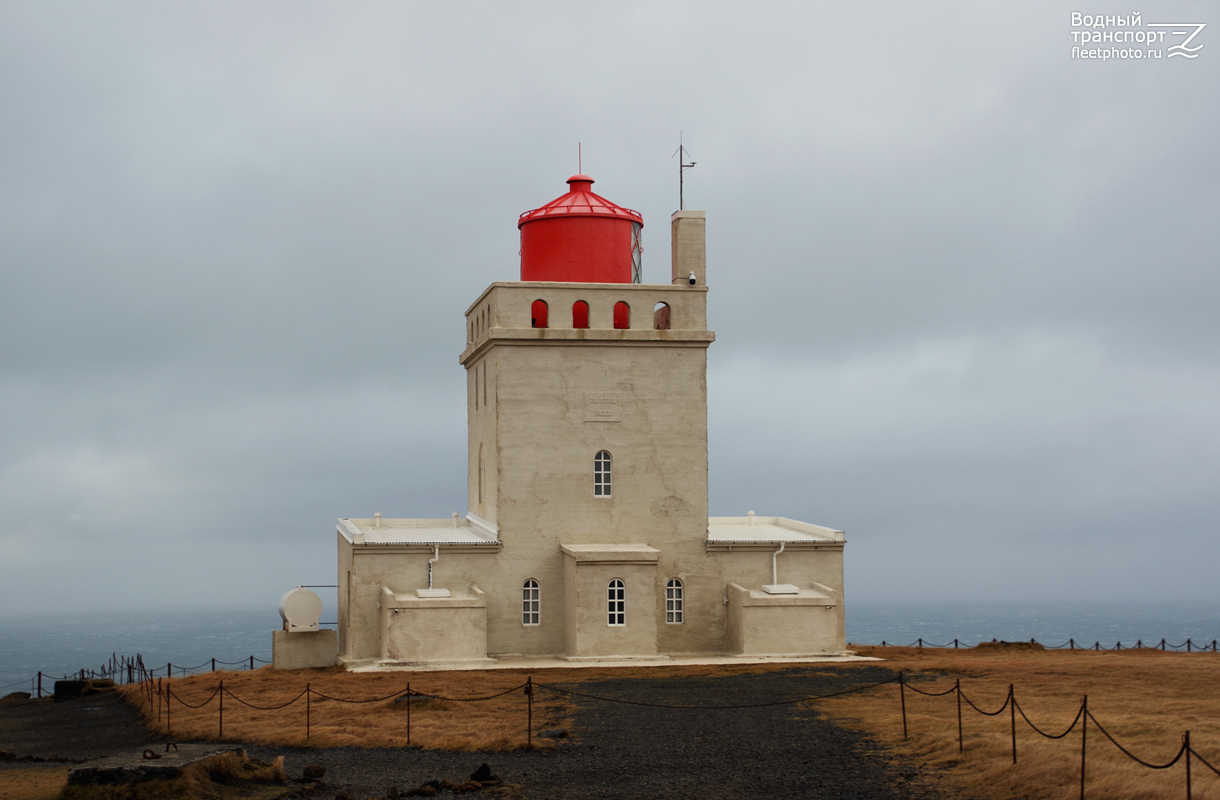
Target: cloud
(962, 283)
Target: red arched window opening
(538, 314)
(580, 314)
(622, 315)
(660, 317)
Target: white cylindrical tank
(300, 609)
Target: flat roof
(768, 530)
(467, 531)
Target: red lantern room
(581, 237)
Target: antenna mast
(682, 167)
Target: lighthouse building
(587, 534)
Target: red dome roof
(580, 201)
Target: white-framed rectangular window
(674, 601)
(616, 603)
(531, 603)
(601, 474)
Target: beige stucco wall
(303, 649)
(792, 625)
(556, 397)
(688, 248)
(588, 571)
(417, 630)
(818, 569)
(541, 403)
(705, 576)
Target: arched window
(538, 314)
(660, 317)
(580, 314)
(601, 474)
(616, 603)
(531, 603)
(673, 601)
(622, 315)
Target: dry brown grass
(498, 724)
(1146, 699)
(32, 783)
(230, 776)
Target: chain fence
(156, 687)
(160, 695)
(1188, 646)
(130, 669)
(1081, 720)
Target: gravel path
(87, 727)
(627, 752)
(616, 751)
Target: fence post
(1186, 748)
(902, 695)
(220, 729)
(957, 688)
(40, 683)
(920, 642)
(1188, 644)
(1084, 737)
(529, 693)
(955, 644)
(308, 710)
(1162, 644)
(1012, 714)
(169, 670)
(213, 665)
(169, 695)
(251, 663)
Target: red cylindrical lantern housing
(581, 237)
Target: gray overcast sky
(964, 285)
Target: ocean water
(63, 644)
(60, 645)
(1051, 624)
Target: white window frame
(616, 603)
(531, 603)
(637, 249)
(675, 602)
(603, 468)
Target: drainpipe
(774, 568)
(436, 556)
